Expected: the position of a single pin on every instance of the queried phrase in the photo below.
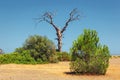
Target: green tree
(41, 48)
(88, 55)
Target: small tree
(48, 17)
(41, 48)
(88, 55)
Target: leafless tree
(48, 17)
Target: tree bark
(59, 39)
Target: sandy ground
(54, 72)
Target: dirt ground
(54, 72)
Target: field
(57, 71)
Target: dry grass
(54, 72)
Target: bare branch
(47, 17)
(73, 16)
(37, 20)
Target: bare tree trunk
(59, 44)
(59, 39)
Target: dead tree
(48, 17)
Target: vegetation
(63, 56)
(41, 48)
(23, 58)
(37, 49)
(116, 56)
(88, 55)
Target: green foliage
(53, 59)
(63, 56)
(40, 48)
(23, 58)
(36, 50)
(88, 56)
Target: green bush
(23, 58)
(53, 59)
(63, 56)
(88, 55)
(39, 61)
(36, 50)
(40, 48)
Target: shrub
(88, 55)
(4, 59)
(63, 56)
(40, 48)
(36, 49)
(23, 58)
(53, 59)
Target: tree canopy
(41, 48)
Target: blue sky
(17, 24)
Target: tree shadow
(71, 73)
(78, 74)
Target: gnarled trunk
(59, 39)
